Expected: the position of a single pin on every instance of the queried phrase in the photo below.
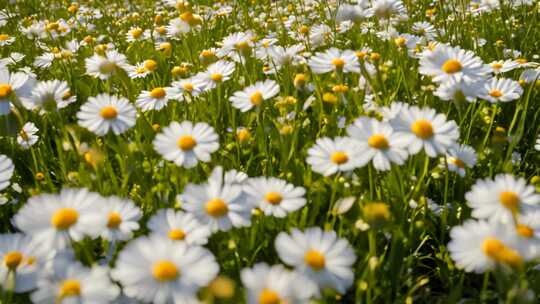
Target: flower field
(270, 151)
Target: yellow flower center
(13, 259)
(338, 63)
(525, 231)
(187, 142)
(339, 157)
(158, 93)
(314, 259)
(268, 296)
(69, 288)
(496, 93)
(510, 200)
(108, 112)
(256, 98)
(216, 77)
(188, 86)
(150, 65)
(521, 61)
(114, 220)
(64, 218)
(242, 45)
(499, 252)
(378, 141)
(458, 162)
(422, 128)
(5, 90)
(165, 271)
(451, 66)
(207, 54)
(496, 66)
(273, 198)
(136, 33)
(216, 207)
(107, 67)
(4, 37)
(177, 234)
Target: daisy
(122, 219)
(427, 129)
(155, 99)
(502, 198)
(6, 39)
(254, 95)
(477, 246)
(334, 60)
(502, 66)
(137, 71)
(178, 226)
(135, 34)
(281, 56)
(275, 284)
(28, 137)
(13, 84)
(186, 143)
(446, 62)
(458, 90)
(75, 283)
(217, 204)
(215, 74)
(386, 9)
(459, 157)
(319, 35)
(501, 90)
(20, 258)
(379, 143)
(275, 196)
(236, 45)
(425, 29)
(329, 156)
(186, 87)
(105, 66)
(528, 232)
(6, 171)
(319, 255)
(158, 270)
(104, 113)
(49, 95)
(54, 220)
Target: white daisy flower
(236, 45)
(319, 255)
(502, 198)
(178, 226)
(502, 66)
(459, 157)
(387, 9)
(215, 74)
(275, 284)
(122, 218)
(395, 108)
(320, 34)
(427, 129)
(446, 62)
(186, 143)
(254, 95)
(186, 87)
(217, 204)
(104, 113)
(6, 40)
(28, 137)
(75, 283)
(459, 90)
(329, 156)
(281, 56)
(13, 85)
(379, 143)
(21, 259)
(137, 71)
(105, 66)
(54, 220)
(158, 270)
(155, 99)
(275, 196)
(501, 90)
(135, 34)
(528, 233)
(49, 96)
(6, 171)
(334, 60)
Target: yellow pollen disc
(158, 93)
(217, 77)
(5, 90)
(422, 128)
(378, 141)
(273, 198)
(177, 234)
(510, 200)
(451, 66)
(114, 220)
(187, 142)
(521, 61)
(242, 45)
(13, 259)
(150, 65)
(496, 66)
(207, 54)
(256, 98)
(107, 67)
(314, 259)
(70, 288)
(188, 87)
(64, 218)
(499, 252)
(524, 230)
(108, 112)
(165, 271)
(216, 207)
(136, 33)
(338, 63)
(492, 247)
(268, 296)
(140, 70)
(495, 93)
(4, 37)
(458, 162)
(339, 157)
